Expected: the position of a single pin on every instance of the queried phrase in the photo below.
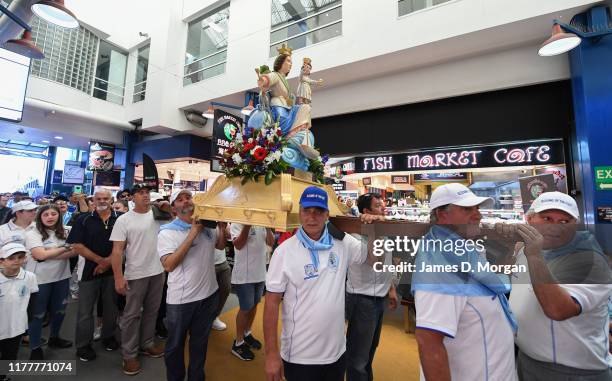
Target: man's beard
(101, 208)
(186, 210)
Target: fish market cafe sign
(501, 155)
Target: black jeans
(364, 315)
(328, 372)
(89, 293)
(195, 318)
(8, 350)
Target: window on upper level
(109, 83)
(409, 6)
(70, 54)
(300, 23)
(206, 51)
(140, 81)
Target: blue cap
(314, 196)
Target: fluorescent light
(58, 137)
(45, 141)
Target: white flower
(238, 137)
(237, 159)
(250, 140)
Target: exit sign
(603, 178)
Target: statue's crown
(284, 49)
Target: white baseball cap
(176, 193)
(10, 249)
(556, 200)
(156, 196)
(24, 205)
(456, 194)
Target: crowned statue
(304, 92)
(293, 118)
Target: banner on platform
(225, 128)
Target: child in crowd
(16, 285)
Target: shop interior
(192, 174)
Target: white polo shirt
(140, 231)
(50, 270)
(250, 261)
(11, 233)
(194, 278)
(363, 280)
(313, 304)
(479, 340)
(14, 297)
(579, 342)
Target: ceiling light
(247, 110)
(559, 43)
(45, 141)
(58, 137)
(210, 113)
(25, 46)
(55, 12)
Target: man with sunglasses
(308, 273)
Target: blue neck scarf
(182, 226)
(324, 243)
(474, 283)
(582, 241)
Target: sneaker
(57, 342)
(154, 351)
(242, 352)
(110, 344)
(131, 367)
(86, 354)
(25, 341)
(252, 342)
(218, 325)
(97, 333)
(37, 355)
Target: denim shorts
(249, 294)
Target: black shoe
(252, 342)
(242, 352)
(57, 342)
(110, 344)
(86, 354)
(37, 355)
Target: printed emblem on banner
(310, 271)
(332, 264)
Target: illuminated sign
(367, 181)
(400, 179)
(499, 155)
(440, 176)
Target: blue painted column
(591, 74)
(129, 138)
(50, 167)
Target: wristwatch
(67, 246)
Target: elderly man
(90, 236)
(187, 252)
(14, 230)
(309, 269)
(562, 302)
(464, 328)
(366, 291)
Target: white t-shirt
(250, 261)
(14, 297)
(194, 278)
(313, 305)
(579, 342)
(220, 256)
(140, 231)
(479, 340)
(11, 233)
(50, 270)
(362, 279)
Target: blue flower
(324, 159)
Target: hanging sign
(225, 128)
(101, 157)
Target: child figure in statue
(304, 92)
(294, 119)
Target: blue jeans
(249, 294)
(364, 315)
(51, 297)
(195, 318)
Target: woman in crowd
(47, 244)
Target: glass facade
(69, 54)
(206, 51)
(300, 23)
(409, 6)
(140, 81)
(109, 83)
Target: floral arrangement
(259, 154)
(317, 168)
